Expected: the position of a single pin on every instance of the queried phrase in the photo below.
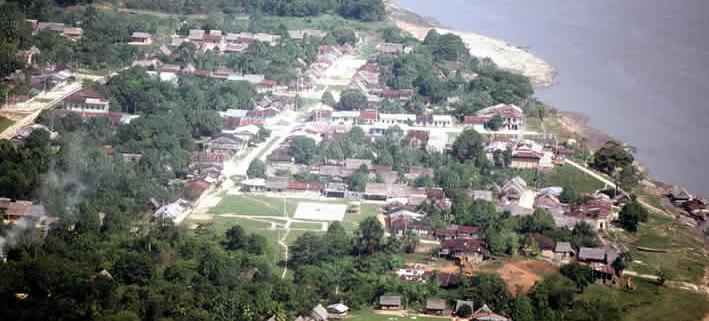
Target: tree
(631, 215)
(621, 263)
(369, 235)
(351, 99)
(39, 138)
(256, 169)
(580, 274)
(522, 309)
(569, 195)
(328, 99)
(72, 122)
(303, 149)
(431, 37)
(496, 122)
(307, 250)
(468, 145)
(629, 177)
(464, 311)
(358, 180)
(344, 35)
(610, 156)
(236, 238)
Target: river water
(638, 68)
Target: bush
(464, 311)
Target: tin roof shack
(563, 252)
(589, 254)
(387, 302)
(319, 313)
(18, 209)
(337, 311)
(470, 250)
(486, 314)
(276, 184)
(435, 306)
(680, 195)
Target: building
(337, 311)
(435, 306)
(514, 188)
(546, 245)
(141, 38)
(387, 302)
(513, 116)
(470, 250)
(18, 209)
(588, 255)
(253, 185)
(680, 194)
(527, 154)
(563, 252)
(394, 48)
(196, 35)
(276, 184)
(225, 142)
(319, 313)
(486, 314)
(86, 101)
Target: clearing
(520, 275)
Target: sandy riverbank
(502, 53)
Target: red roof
(476, 120)
(267, 82)
(262, 113)
(527, 154)
(202, 73)
(417, 134)
(109, 149)
(463, 245)
(368, 114)
(198, 185)
(440, 231)
(305, 186)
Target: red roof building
(86, 100)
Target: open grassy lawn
(568, 175)
(253, 205)
(685, 257)
(306, 226)
(351, 221)
(5, 123)
(650, 302)
(326, 22)
(369, 315)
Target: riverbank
(516, 59)
(502, 53)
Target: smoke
(21, 227)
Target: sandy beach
(502, 53)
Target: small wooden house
(387, 302)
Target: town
(319, 172)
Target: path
(675, 284)
(612, 185)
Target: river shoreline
(516, 59)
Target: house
(486, 314)
(442, 120)
(400, 94)
(19, 209)
(387, 302)
(319, 313)
(141, 38)
(401, 224)
(482, 194)
(172, 210)
(547, 201)
(394, 48)
(513, 116)
(435, 306)
(280, 159)
(276, 184)
(470, 250)
(444, 234)
(526, 159)
(337, 311)
(196, 35)
(602, 273)
(356, 163)
(563, 252)
(514, 188)
(546, 245)
(86, 101)
(297, 186)
(680, 194)
(73, 34)
(196, 187)
(595, 211)
(225, 142)
(589, 254)
(368, 116)
(376, 191)
(335, 190)
(253, 185)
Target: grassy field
(326, 22)
(368, 315)
(650, 302)
(306, 226)
(685, 257)
(571, 176)
(5, 123)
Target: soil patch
(201, 217)
(522, 275)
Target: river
(638, 68)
